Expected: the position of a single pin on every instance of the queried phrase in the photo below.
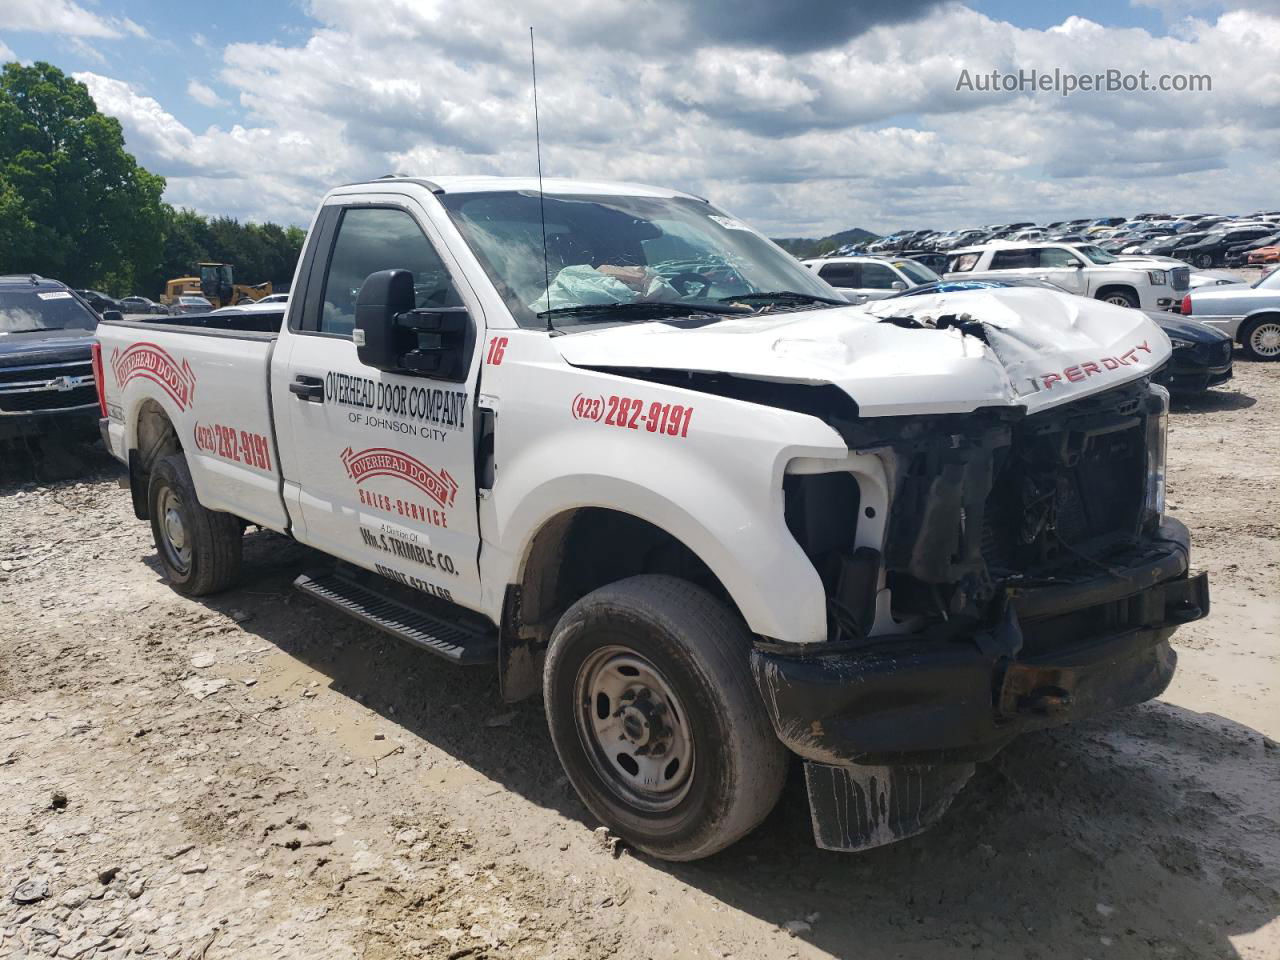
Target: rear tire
(1261, 339)
(1204, 261)
(199, 549)
(657, 720)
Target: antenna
(542, 209)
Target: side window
(964, 262)
(1013, 259)
(1057, 257)
(840, 274)
(876, 276)
(380, 238)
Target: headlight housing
(1158, 277)
(1157, 449)
(1181, 344)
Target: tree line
(76, 206)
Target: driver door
(1061, 268)
(382, 465)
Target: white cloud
(204, 94)
(868, 131)
(6, 54)
(59, 16)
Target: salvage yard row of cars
(1202, 240)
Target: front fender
(718, 491)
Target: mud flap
(857, 807)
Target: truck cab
(611, 440)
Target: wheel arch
(151, 436)
(1116, 287)
(1266, 313)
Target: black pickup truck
(46, 365)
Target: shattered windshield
(608, 251)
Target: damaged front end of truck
(1027, 577)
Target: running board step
(458, 642)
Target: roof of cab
(487, 184)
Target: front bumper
(1062, 653)
(61, 421)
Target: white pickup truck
(1150, 283)
(662, 476)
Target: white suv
(1152, 283)
(859, 279)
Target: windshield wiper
(643, 306)
(784, 295)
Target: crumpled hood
(1044, 348)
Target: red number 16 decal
(497, 348)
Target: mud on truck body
(669, 479)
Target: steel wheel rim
(1118, 300)
(634, 729)
(1265, 339)
(174, 537)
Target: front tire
(1204, 261)
(199, 549)
(1261, 339)
(657, 720)
(1121, 298)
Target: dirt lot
(252, 776)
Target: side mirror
(897, 285)
(1077, 264)
(112, 316)
(393, 335)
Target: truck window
(876, 276)
(1013, 259)
(840, 274)
(380, 238)
(1057, 257)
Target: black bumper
(1062, 653)
(34, 423)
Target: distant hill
(803, 247)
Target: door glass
(840, 274)
(1013, 259)
(876, 276)
(380, 238)
(1056, 257)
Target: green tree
(74, 204)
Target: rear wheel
(656, 718)
(1261, 339)
(1204, 261)
(200, 549)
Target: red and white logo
(150, 362)
(382, 462)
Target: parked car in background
(1248, 313)
(934, 260)
(1079, 268)
(1212, 250)
(274, 298)
(1214, 278)
(100, 301)
(859, 279)
(1201, 355)
(142, 305)
(1262, 255)
(189, 303)
(1237, 255)
(46, 368)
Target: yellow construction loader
(216, 285)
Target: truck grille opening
(48, 386)
(1064, 493)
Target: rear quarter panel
(212, 386)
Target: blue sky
(253, 109)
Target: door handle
(308, 388)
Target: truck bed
(268, 323)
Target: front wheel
(1121, 298)
(199, 549)
(1204, 261)
(656, 718)
(1261, 340)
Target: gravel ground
(252, 776)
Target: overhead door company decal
(151, 362)
(381, 462)
(430, 411)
